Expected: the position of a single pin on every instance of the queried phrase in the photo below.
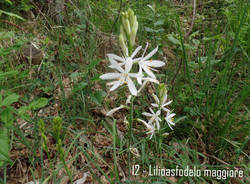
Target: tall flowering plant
(135, 71)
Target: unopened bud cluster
(128, 30)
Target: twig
(113, 26)
(178, 70)
(12, 24)
(193, 19)
(80, 54)
(42, 15)
(219, 160)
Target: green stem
(114, 147)
(5, 175)
(66, 167)
(130, 131)
(130, 48)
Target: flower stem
(130, 131)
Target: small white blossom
(161, 104)
(169, 119)
(147, 65)
(124, 77)
(153, 117)
(150, 127)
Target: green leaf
(41, 102)
(159, 22)
(97, 97)
(7, 117)
(4, 148)
(11, 14)
(79, 86)
(94, 63)
(96, 77)
(195, 41)
(174, 40)
(150, 30)
(10, 99)
(22, 113)
(8, 1)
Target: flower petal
(171, 115)
(136, 51)
(148, 79)
(155, 63)
(148, 71)
(147, 114)
(120, 64)
(128, 101)
(145, 123)
(170, 126)
(165, 109)
(112, 111)
(157, 125)
(155, 105)
(118, 58)
(135, 75)
(137, 59)
(145, 50)
(116, 65)
(165, 98)
(156, 98)
(128, 65)
(111, 83)
(131, 87)
(142, 86)
(165, 104)
(139, 79)
(150, 54)
(108, 76)
(116, 85)
(158, 113)
(151, 110)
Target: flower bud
(162, 91)
(133, 33)
(131, 17)
(127, 27)
(122, 31)
(123, 44)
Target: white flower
(111, 112)
(153, 117)
(124, 77)
(148, 65)
(169, 119)
(161, 104)
(150, 127)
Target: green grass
(206, 75)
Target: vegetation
(54, 126)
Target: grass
(206, 76)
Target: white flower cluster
(123, 66)
(154, 121)
(144, 67)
